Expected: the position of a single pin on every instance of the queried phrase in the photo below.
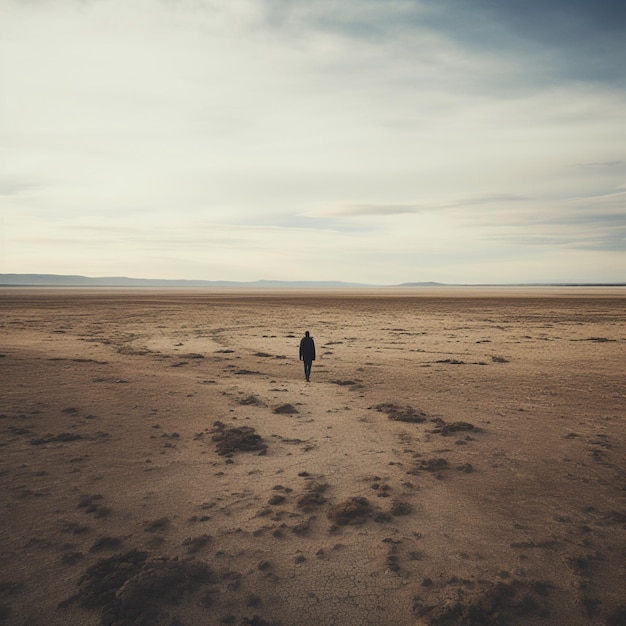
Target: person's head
(307, 333)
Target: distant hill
(55, 280)
(427, 284)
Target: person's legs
(307, 369)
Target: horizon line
(77, 280)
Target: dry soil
(457, 458)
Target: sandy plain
(457, 458)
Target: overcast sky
(379, 141)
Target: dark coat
(307, 349)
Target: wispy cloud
(14, 186)
(365, 210)
(605, 164)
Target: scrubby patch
(251, 400)
(313, 497)
(196, 544)
(598, 339)
(499, 605)
(400, 507)
(231, 440)
(106, 543)
(132, 589)
(71, 558)
(392, 562)
(399, 414)
(445, 429)
(74, 528)
(101, 581)
(19, 431)
(254, 621)
(351, 511)
(60, 438)
(352, 384)
(285, 409)
(430, 465)
(93, 504)
(157, 525)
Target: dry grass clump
(251, 400)
(60, 438)
(157, 525)
(501, 603)
(314, 496)
(131, 589)
(400, 507)
(430, 465)
(196, 544)
(354, 511)
(453, 427)
(400, 414)
(106, 542)
(93, 504)
(241, 438)
(285, 409)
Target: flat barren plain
(457, 458)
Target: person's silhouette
(307, 353)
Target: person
(307, 353)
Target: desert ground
(457, 458)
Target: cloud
(356, 210)
(595, 222)
(366, 210)
(310, 139)
(563, 40)
(486, 199)
(546, 40)
(604, 164)
(14, 186)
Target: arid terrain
(457, 458)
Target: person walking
(307, 353)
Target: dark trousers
(307, 369)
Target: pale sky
(377, 141)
